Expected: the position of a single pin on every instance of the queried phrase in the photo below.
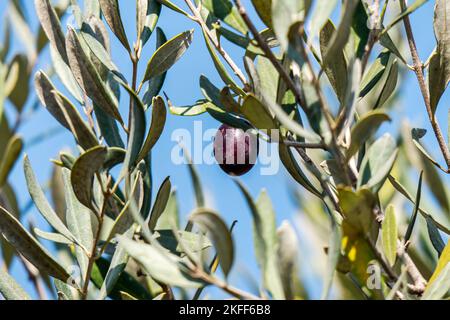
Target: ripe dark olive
(235, 150)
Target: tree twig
(419, 281)
(270, 55)
(418, 69)
(198, 18)
(305, 145)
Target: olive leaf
(291, 165)
(29, 247)
(79, 222)
(80, 130)
(65, 74)
(439, 283)
(83, 174)
(159, 116)
(389, 86)
(171, 214)
(258, 114)
(162, 266)
(51, 236)
(51, 25)
(335, 66)
(9, 158)
(148, 12)
(375, 73)
(439, 69)
(265, 240)
(321, 15)
(288, 257)
(10, 289)
(169, 4)
(390, 234)
(160, 204)
(88, 78)
(168, 54)
(377, 163)
(286, 13)
(340, 37)
(116, 268)
(41, 202)
(227, 12)
(111, 12)
(194, 242)
(364, 129)
(44, 90)
(196, 109)
(334, 253)
(155, 84)
(264, 10)
(220, 235)
(435, 237)
(417, 200)
(20, 92)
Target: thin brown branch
(418, 69)
(135, 63)
(419, 282)
(237, 293)
(199, 19)
(270, 55)
(93, 255)
(305, 145)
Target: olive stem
(198, 18)
(305, 145)
(270, 55)
(418, 69)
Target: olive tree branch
(419, 281)
(374, 32)
(418, 69)
(235, 292)
(270, 55)
(93, 255)
(305, 145)
(290, 82)
(197, 17)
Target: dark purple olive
(235, 150)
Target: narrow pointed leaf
(51, 26)
(168, 54)
(160, 204)
(31, 249)
(9, 158)
(79, 222)
(41, 202)
(163, 267)
(220, 235)
(390, 235)
(83, 174)
(265, 240)
(88, 78)
(159, 116)
(10, 289)
(111, 12)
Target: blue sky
(182, 87)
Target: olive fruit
(235, 150)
